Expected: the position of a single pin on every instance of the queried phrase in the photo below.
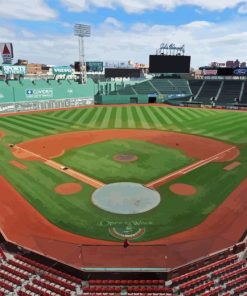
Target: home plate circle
(125, 198)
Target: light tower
(82, 31)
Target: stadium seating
(144, 88)
(163, 86)
(156, 86)
(244, 95)
(182, 85)
(23, 275)
(209, 90)
(126, 91)
(230, 91)
(195, 85)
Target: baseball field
(194, 158)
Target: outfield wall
(27, 95)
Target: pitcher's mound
(182, 189)
(125, 157)
(68, 188)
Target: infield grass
(96, 160)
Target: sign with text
(9, 69)
(39, 93)
(62, 70)
(7, 53)
(210, 72)
(240, 72)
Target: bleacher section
(144, 88)
(126, 91)
(244, 95)
(156, 86)
(195, 85)
(210, 90)
(230, 91)
(163, 86)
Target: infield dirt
(193, 146)
(68, 188)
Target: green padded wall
(26, 90)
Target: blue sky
(122, 30)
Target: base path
(55, 165)
(189, 168)
(193, 146)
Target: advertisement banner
(39, 93)
(7, 53)
(9, 69)
(62, 70)
(240, 72)
(209, 72)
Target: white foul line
(69, 172)
(189, 168)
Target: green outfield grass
(97, 161)
(77, 214)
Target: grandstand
(141, 92)
(230, 92)
(243, 98)
(195, 86)
(209, 91)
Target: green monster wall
(27, 90)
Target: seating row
(10, 278)
(14, 271)
(199, 289)
(102, 289)
(47, 268)
(228, 269)
(59, 282)
(234, 274)
(149, 290)
(193, 282)
(127, 282)
(205, 269)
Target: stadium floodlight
(82, 31)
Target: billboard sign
(240, 72)
(39, 93)
(121, 73)
(225, 72)
(169, 64)
(7, 53)
(94, 66)
(9, 69)
(210, 72)
(62, 70)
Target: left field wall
(27, 95)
